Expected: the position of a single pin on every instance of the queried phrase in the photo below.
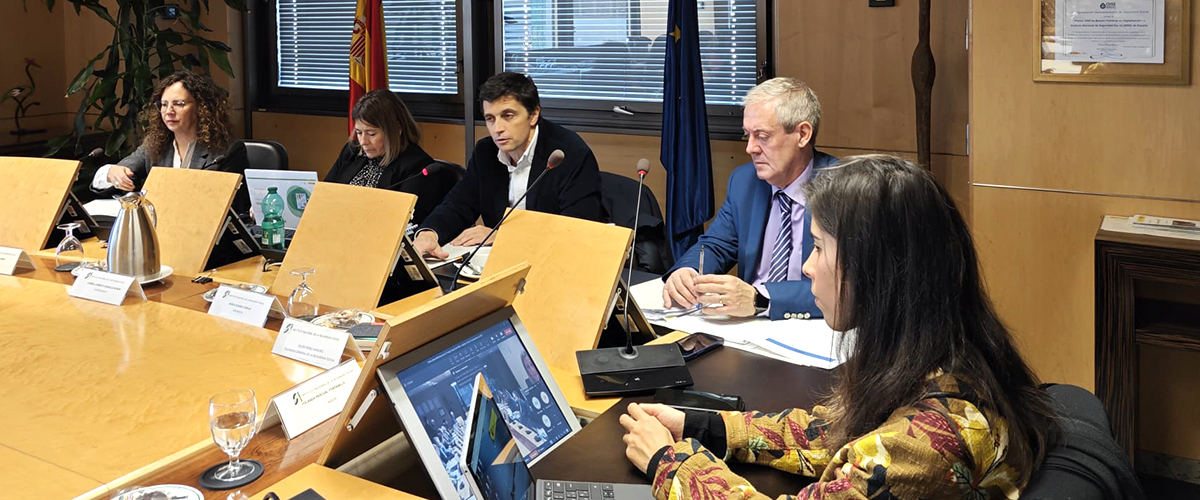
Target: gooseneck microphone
(433, 168)
(637, 369)
(216, 163)
(555, 159)
(643, 167)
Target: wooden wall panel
(857, 58)
(1119, 139)
(1037, 254)
(45, 30)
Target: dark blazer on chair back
(430, 190)
(571, 189)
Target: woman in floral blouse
(933, 402)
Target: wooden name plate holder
(32, 204)
(403, 333)
(191, 205)
(572, 284)
(351, 235)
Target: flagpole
(468, 80)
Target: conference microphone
(643, 167)
(555, 159)
(94, 154)
(217, 162)
(433, 168)
(645, 359)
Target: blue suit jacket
(735, 236)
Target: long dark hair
(213, 127)
(910, 287)
(381, 108)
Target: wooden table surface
(98, 392)
(175, 303)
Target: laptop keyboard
(564, 490)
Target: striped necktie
(781, 254)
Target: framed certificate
(1114, 41)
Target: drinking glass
(69, 252)
(232, 416)
(302, 303)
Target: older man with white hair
(763, 226)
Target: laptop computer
(495, 470)
(295, 186)
(431, 389)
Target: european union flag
(685, 153)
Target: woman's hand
(671, 418)
(644, 436)
(121, 177)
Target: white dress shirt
(518, 175)
(100, 180)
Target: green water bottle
(272, 226)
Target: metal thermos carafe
(133, 243)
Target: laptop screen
(516, 385)
(496, 473)
(432, 387)
(295, 187)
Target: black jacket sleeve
(580, 193)
(429, 189)
(345, 166)
(460, 208)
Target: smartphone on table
(692, 346)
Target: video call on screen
(440, 389)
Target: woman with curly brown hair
(187, 127)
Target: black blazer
(429, 189)
(235, 161)
(572, 189)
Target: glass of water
(232, 416)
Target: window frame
(264, 94)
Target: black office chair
(266, 155)
(456, 171)
(1087, 463)
(618, 197)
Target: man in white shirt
(505, 164)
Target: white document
(107, 207)
(458, 253)
(105, 287)
(294, 186)
(803, 342)
(12, 259)
(1125, 225)
(1121, 31)
(241, 305)
(313, 401)
(308, 343)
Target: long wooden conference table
(95, 396)
(99, 398)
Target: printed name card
(303, 407)
(105, 287)
(12, 259)
(243, 306)
(308, 343)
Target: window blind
(314, 44)
(613, 50)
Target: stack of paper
(803, 342)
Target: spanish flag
(368, 52)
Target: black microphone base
(613, 371)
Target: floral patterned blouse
(916, 453)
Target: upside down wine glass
(69, 252)
(302, 303)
